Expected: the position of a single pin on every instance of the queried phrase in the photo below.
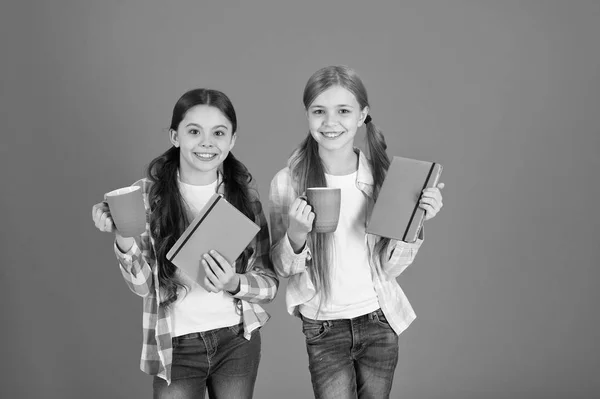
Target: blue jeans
(351, 358)
(221, 361)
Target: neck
(197, 178)
(339, 162)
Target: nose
(205, 140)
(330, 119)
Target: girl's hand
(301, 220)
(220, 275)
(102, 218)
(431, 201)
(105, 223)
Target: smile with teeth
(205, 156)
(331, 135)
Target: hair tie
(368, 119)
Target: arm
(134, 266)
(285, 260)
(260, 283)
(135, 255)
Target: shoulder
(283, 178)
(283, 188)
(145, 184)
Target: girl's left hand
(431, 201)
(220, 275)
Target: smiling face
(334, 117)
(204, 136)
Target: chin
(334, 145)
(206, 168)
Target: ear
(233, 139)
(174, 137)
(363, 116)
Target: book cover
(396, 213)
(219, 226)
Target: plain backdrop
(505, 94)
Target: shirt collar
(364, 175)
(220, 185)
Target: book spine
(416, 219)
(218, 197)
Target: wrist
(297, 242)
(233, 286)
(124, 243)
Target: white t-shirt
(352, 291)
(197, 309)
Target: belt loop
(374, 316)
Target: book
(220, 226)
(397, 214)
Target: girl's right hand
(105, 223)
(102, 218)
(301, 220)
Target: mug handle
(304, 197)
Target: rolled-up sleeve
(281, 196)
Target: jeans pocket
(236, 329)
(315, 330)
(380, 319)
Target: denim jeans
(221, 361)
(351, 358)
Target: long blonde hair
(307, 167)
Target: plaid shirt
(300, 288)
(139, 268)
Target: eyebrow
(215, 127)
(338, 106)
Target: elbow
(268, 298)
(143, 294)
(141, 287)
(141, 291)
(281, 270)
(263, 299)
(271, 292)
(397, 269)
(278, 266)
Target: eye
(193, 131)
(344, 111)
(219, 133)
(318, 111)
